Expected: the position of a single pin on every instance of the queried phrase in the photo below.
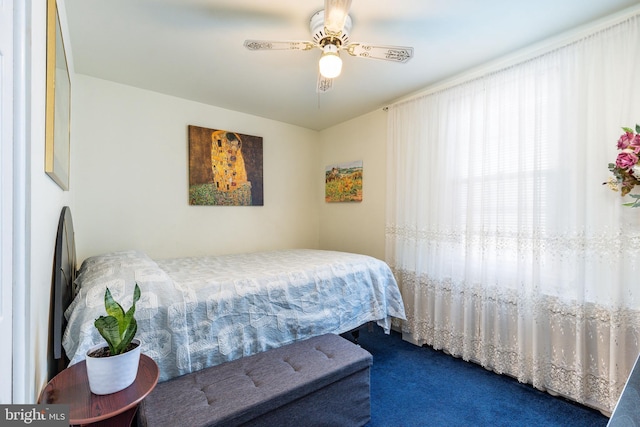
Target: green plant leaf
(634, 204)
(128, 317)
(628, 130)
(113, 308)
(118, 328)
(136, 294)
(128, 336)
(108, 328)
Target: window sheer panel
(507, 249)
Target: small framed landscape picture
(343, 182)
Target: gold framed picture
(58, 102)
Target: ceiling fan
(330, 29)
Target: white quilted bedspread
(201, 311)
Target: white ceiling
(193, 49)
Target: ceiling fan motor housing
(320, 35)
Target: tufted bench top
(239, 391)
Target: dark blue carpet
(418, 386)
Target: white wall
(356, 226)
(44, 201)
(132, 170)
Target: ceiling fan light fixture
(336, 12)
(330, 31)
(330, 63)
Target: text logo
(34, 415)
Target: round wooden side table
(71, 387)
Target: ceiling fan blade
(278, 45)
(335, 15)
(388, 53)
(324, 84)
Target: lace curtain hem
(538, 341)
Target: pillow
(118, 271)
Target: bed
(197, 312)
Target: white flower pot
(114, 373)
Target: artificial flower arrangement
(626, 169)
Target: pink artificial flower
(627, 159)
(634, 143)
(625, 140)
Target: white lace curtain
(508, 250)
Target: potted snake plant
(113, 366)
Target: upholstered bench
(322, 381)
